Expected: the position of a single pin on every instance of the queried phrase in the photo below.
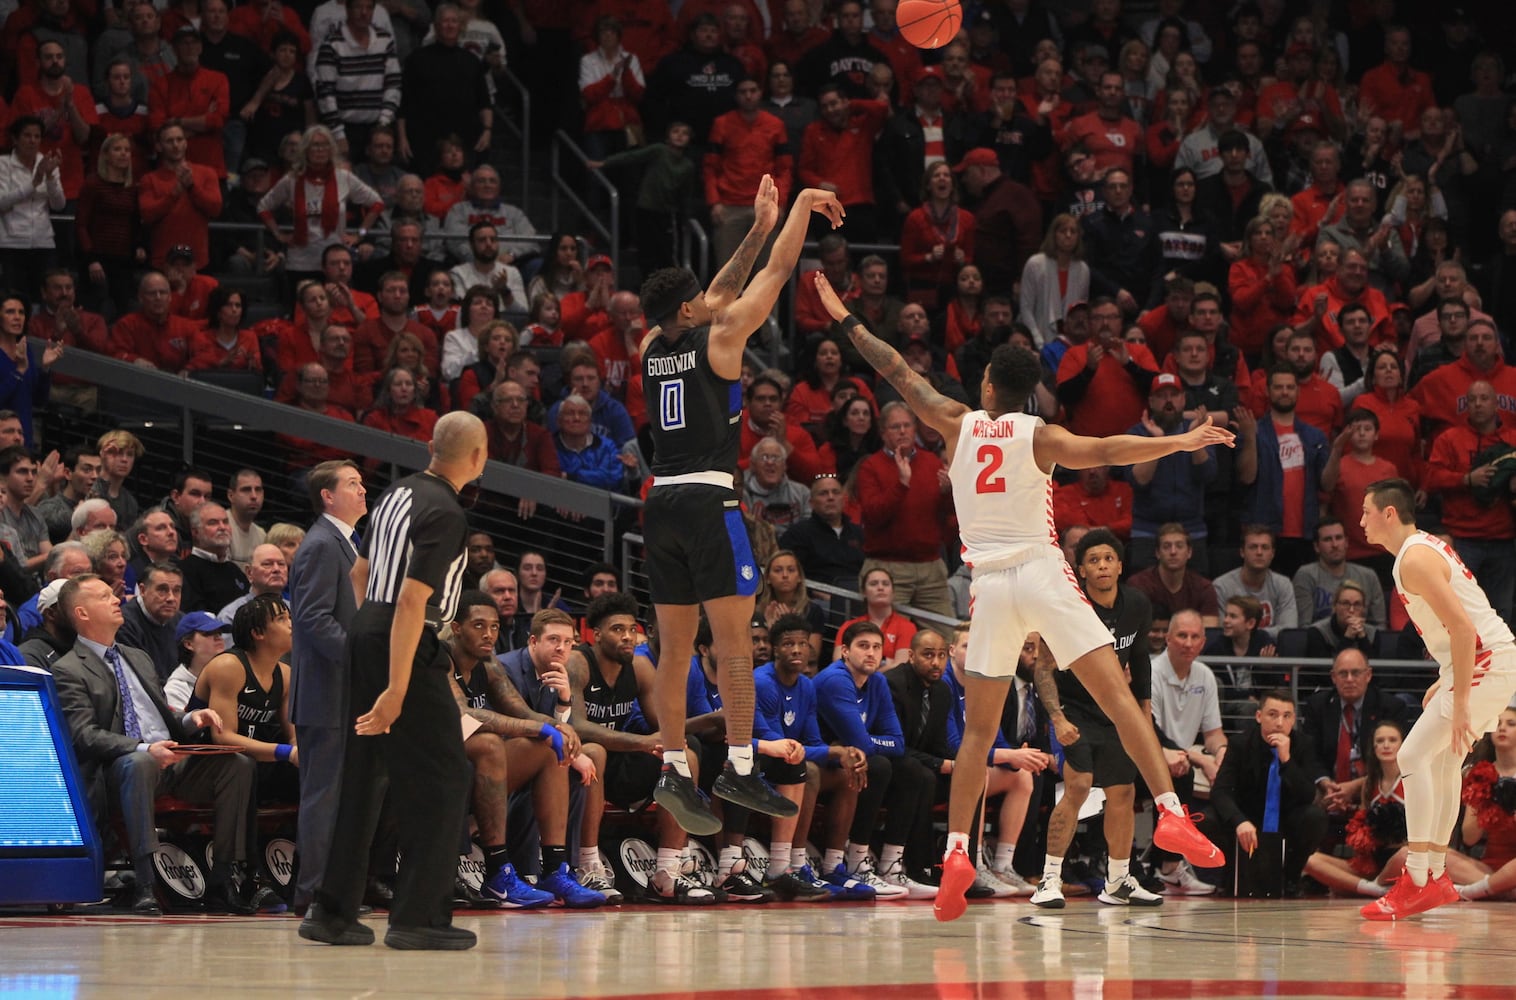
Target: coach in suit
(322, 605)
(1340, 722)
(124, 736)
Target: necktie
(1342, 769)
(128, 710)
(926, 710)
(1271, 796)
(356, 539)
(1026, 726)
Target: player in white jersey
(1477, 655)
(1000, 462)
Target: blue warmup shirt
(788, 713)
(956, 719)
(858, 717)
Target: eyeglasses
(769, 459)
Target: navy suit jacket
(322, 606)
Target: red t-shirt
(898, 632)
(1347, 499)
(1292, 461)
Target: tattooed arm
(930, 406)
(1047, 690)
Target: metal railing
(562, 188)
(521, 132)
(696, 250)
(1302, 676)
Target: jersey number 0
(671, 405)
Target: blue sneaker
(512, 893)
(568, 891)
(844, 885)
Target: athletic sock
(668, 859)
(832, 858)
(741, 758)
(1052, 867)
(856, 855)
(1416, 864)
(1437, 863)
(495, 858)
(1169, 801)
(892, 855)
(1476, 890)
(553, 857)
(678, 760)
(726, 860)
(1368, 887)
(779, 858)
(956, 842)
(799, 859)
(1118, 870)
(1005, 854)
(589, 857)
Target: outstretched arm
(1056, 446)
(930, 406)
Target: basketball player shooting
(697, 546)
(1475, 650)
(1000, 462)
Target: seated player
(612, 696)
(854, 706)
(513, 747)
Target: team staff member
(410, 572)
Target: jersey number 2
(671, 405)
(990, 459)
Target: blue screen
(38, 811)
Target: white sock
(779, 858)
(1416, 865)
(589, 857)
(1475, 890)
(678, 760)
(956, 842)
(1437, 863)
(741, 758)
(831, 859)
(1169, 801)
(1368, 887)
(1052, 867)
(799, 859)
(668, 859)
(1118, 870)
(729, 856)
(856, 855)
(1004, 855)
(892, 855)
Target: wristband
(554, 737)
(282, 752)
(849, 322)
(565, 703)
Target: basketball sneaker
(1049, 894)
(1176, 833)
(845, 886)
(801, 886)
(1007, 877)
(896, 874)
(513, 893)
(752, 791)
(958, 874)
(883, 889)
(741, 887)
(678, 889)
(1449, 892)
(568, 891)
(1183, 881)
(686, 803)
(1406, 898)
(1128, 892)
(596, 879)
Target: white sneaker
(1049, 894)
(1018, 885)
(1128, 892)
(597, 879)
(895, 874)
(866, 875)
(1182, 882)
(987, 878)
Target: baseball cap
(49, 595)
(928, 73)
(980, 157)
(188, 31)
(1305, 123)
(599, 260)
(198, 622)
(1166, 380)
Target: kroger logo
(639, 859)
(279, 855)
(179, 873)
(471, 867)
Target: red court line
(1146, 989)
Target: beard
(1167, 419)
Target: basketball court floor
(883, 951)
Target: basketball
(929, 24)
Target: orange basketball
(929, 24)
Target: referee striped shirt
(417, 531)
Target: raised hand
(766, 203)
(826, 203)
(829, 300)
(1207, 434)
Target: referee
(408, 578)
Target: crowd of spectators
(1303, 227)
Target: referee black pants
(422, 756)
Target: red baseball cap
(599, 260)
(1166, 380)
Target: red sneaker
(1176, 833)
(957, 875)
(1406, 899)
(1447, 892)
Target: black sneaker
(690, 809)
(741, 887)
(429, 938)
(678, 889)
(466, 897)
(791, 888)
(752, 791)
(327, 928)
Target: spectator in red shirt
(67, 112)
(349, 306)
(743, 146)
(371, 340)
(611, 85)
(878, 588)
(810, 315)
(178, 200)
(397, 410)
(1106, 133)
(191, 292)
(1321, 305)
(764, 417)
(515, 440)
(222, 344)
(796, 34)
(1321, 202)
(583, 314)
(1095, 499)
(741, 34)
(1104, 382)
(1351, 467)
(837, 154)
(936, 239)
(354, 393)
(57, 318)
(903, 492)
(618, 347)
(153, 337)
(1317, 401)
(1262, 285)
(195, 98)
(263, 20)
(1443, 395)
(120, 113)
(1393, 90)
(312, 386)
